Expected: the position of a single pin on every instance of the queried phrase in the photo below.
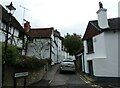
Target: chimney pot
(100, 5)
(102, 17)
(27, 26)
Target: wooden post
(20, 75)
(14, 83)
(24, 82)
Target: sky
(67, 16)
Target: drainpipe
(83, 63)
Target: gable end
(91, 31)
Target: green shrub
(31, 62)
(13, 58)
(11, 54)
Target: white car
(67, 65)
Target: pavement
(89, 80)
(47, 79)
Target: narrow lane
(53, 79)
(68, 80)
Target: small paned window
(90, 48)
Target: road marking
(50, 81)
(89, 83)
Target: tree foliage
(72, 43)
(12, 54)
(13, 58)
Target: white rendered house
(101, 47)
(59, 45)
(44, 44)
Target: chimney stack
(27, 26)
(102, 17)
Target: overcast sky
(67, 16)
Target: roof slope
(5, 18)
(41, 32)
(113, 23)
(93, 28)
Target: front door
(80, 62)
(90, 66)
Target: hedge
(13, 58)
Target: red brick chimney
(27, 26)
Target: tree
(72, 43)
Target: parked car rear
(67, 65)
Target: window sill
(90, 53)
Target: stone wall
(33, 75)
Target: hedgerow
(14, 58)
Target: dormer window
(90, 48)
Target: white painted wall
(58, 50)
(16, 32)
(99, 46)
(111, 42)
(16, 41)
(34, 49)
(105, 58)
(85, 56)
(119, 53)
(54, 52)
(2, 36)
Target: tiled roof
(113, 23)
(5, 18)
(41, 32)
(93, 28)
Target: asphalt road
(68, 80)
(54, 79)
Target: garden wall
(33, 75)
